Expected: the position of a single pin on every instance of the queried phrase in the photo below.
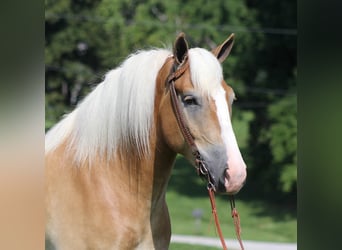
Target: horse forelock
(118, 113)
(206, 71)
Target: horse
(108, 162)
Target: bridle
(177, 70)
(202, 171)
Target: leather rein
(176, 72)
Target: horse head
(205, 101)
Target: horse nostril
(226, 174)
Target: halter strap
(236, 218)
(176, 72)
(216, 219)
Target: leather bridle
(202, 170)
(177, 70)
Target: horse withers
(109, 161)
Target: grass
(260, 220)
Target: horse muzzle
(226, 183)
(225, 176)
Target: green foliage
(282, 138)
(270, 84)
(85, 39)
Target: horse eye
(190, 100)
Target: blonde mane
(119, 111)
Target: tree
(70, 57)
(85, 39)
(272, 82)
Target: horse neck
(164, 159)
(146, 178)
(135, 183)
(142, 177)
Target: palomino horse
(109, 161)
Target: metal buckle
(204, 173)
(202, 169)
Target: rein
(176, 72)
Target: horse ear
(180, 48)
(222, 51)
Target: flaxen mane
(118, 112)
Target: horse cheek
(171, 134)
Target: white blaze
(237, 167)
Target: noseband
(177, 70)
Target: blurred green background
(85, 39)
